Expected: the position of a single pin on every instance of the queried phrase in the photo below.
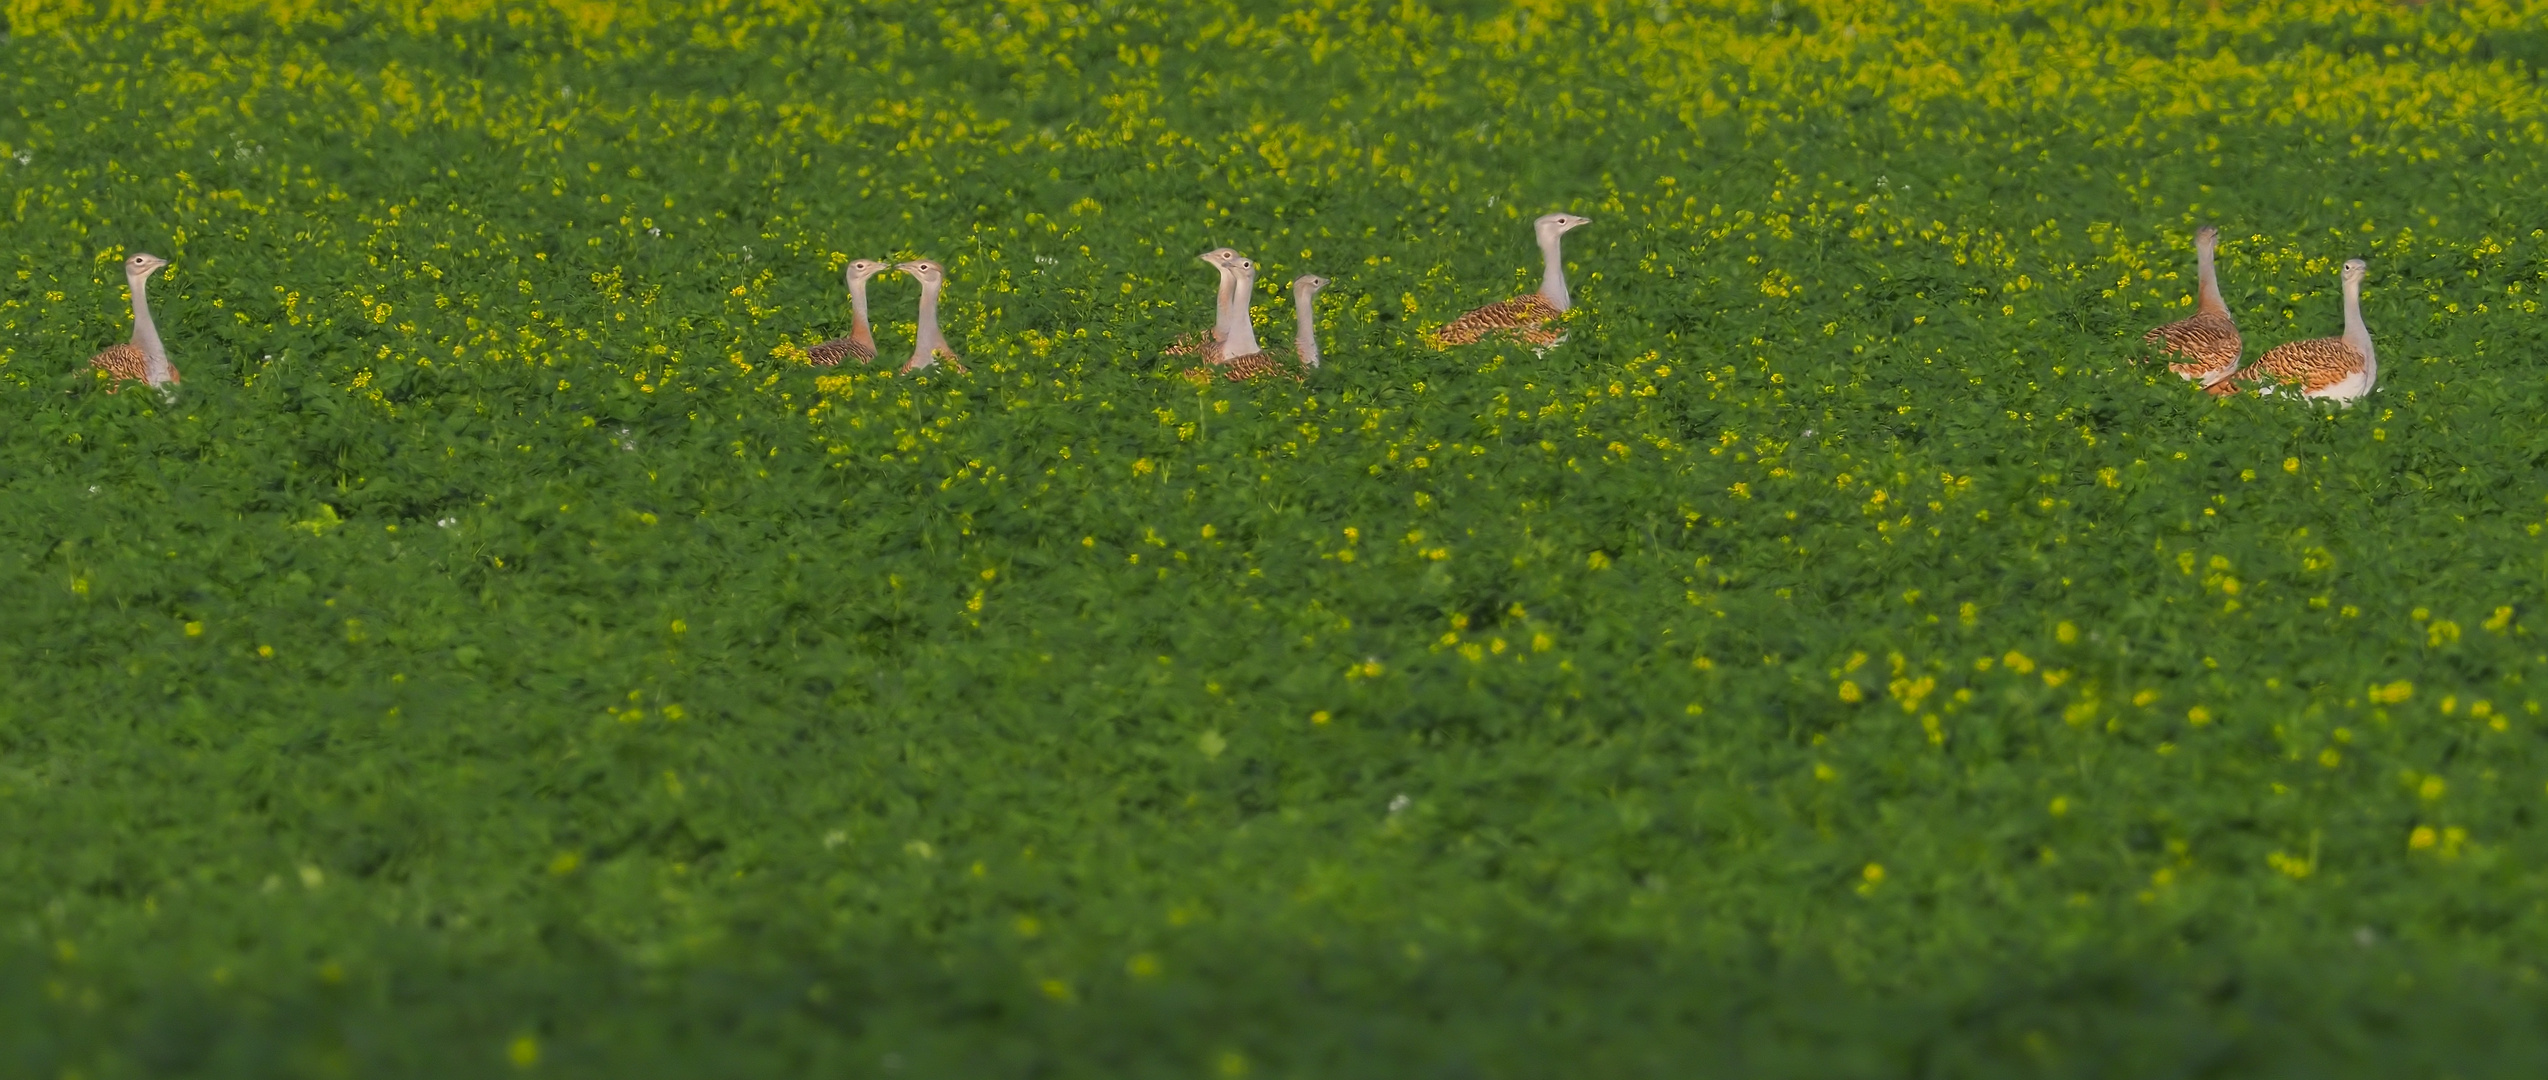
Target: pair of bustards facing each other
(860, 342)
(2207, 346)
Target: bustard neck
(2358, 335)
(1242, 321)
(156, 369)
(1552, 277)
(1223, 322)
(929, 342)
(858, 304)
(2209, 282)
(1305, 333)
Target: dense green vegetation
(1845, 656)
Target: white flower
(446, 523)
(1400, 803)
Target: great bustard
(860, 342)
(1526, 316)
(929, 344)
(1207, 344)
(2206, 344)
(2338, 369)
(143, 358)
(1241, 358)
(1305, 333)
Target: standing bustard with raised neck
(1305, 331)
(1526, 316)
(860, 342)
(2206, 345)
(143, 358)
(1207, 344)
(929, 344)
(2339, 369)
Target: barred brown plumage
(144, 358)
(831, 353)
(2208, 341)
(121, 362)
(2335, 368)
(860, 342)
(1524, 317)
(1196, 343)
(2315, 365)
(1258, 366)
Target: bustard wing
(126, 361)
(2315, 364)
(830, 353)
(2208, 345)
(1258, 366)
(1523, 316)
(1202, 343)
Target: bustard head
(2355, 270)
(1560, 224)
(2207, 236)
(1308, 284)
(1221, 258)
(862, 269)
(928, 272)
(142, 265)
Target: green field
(1846, 656)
